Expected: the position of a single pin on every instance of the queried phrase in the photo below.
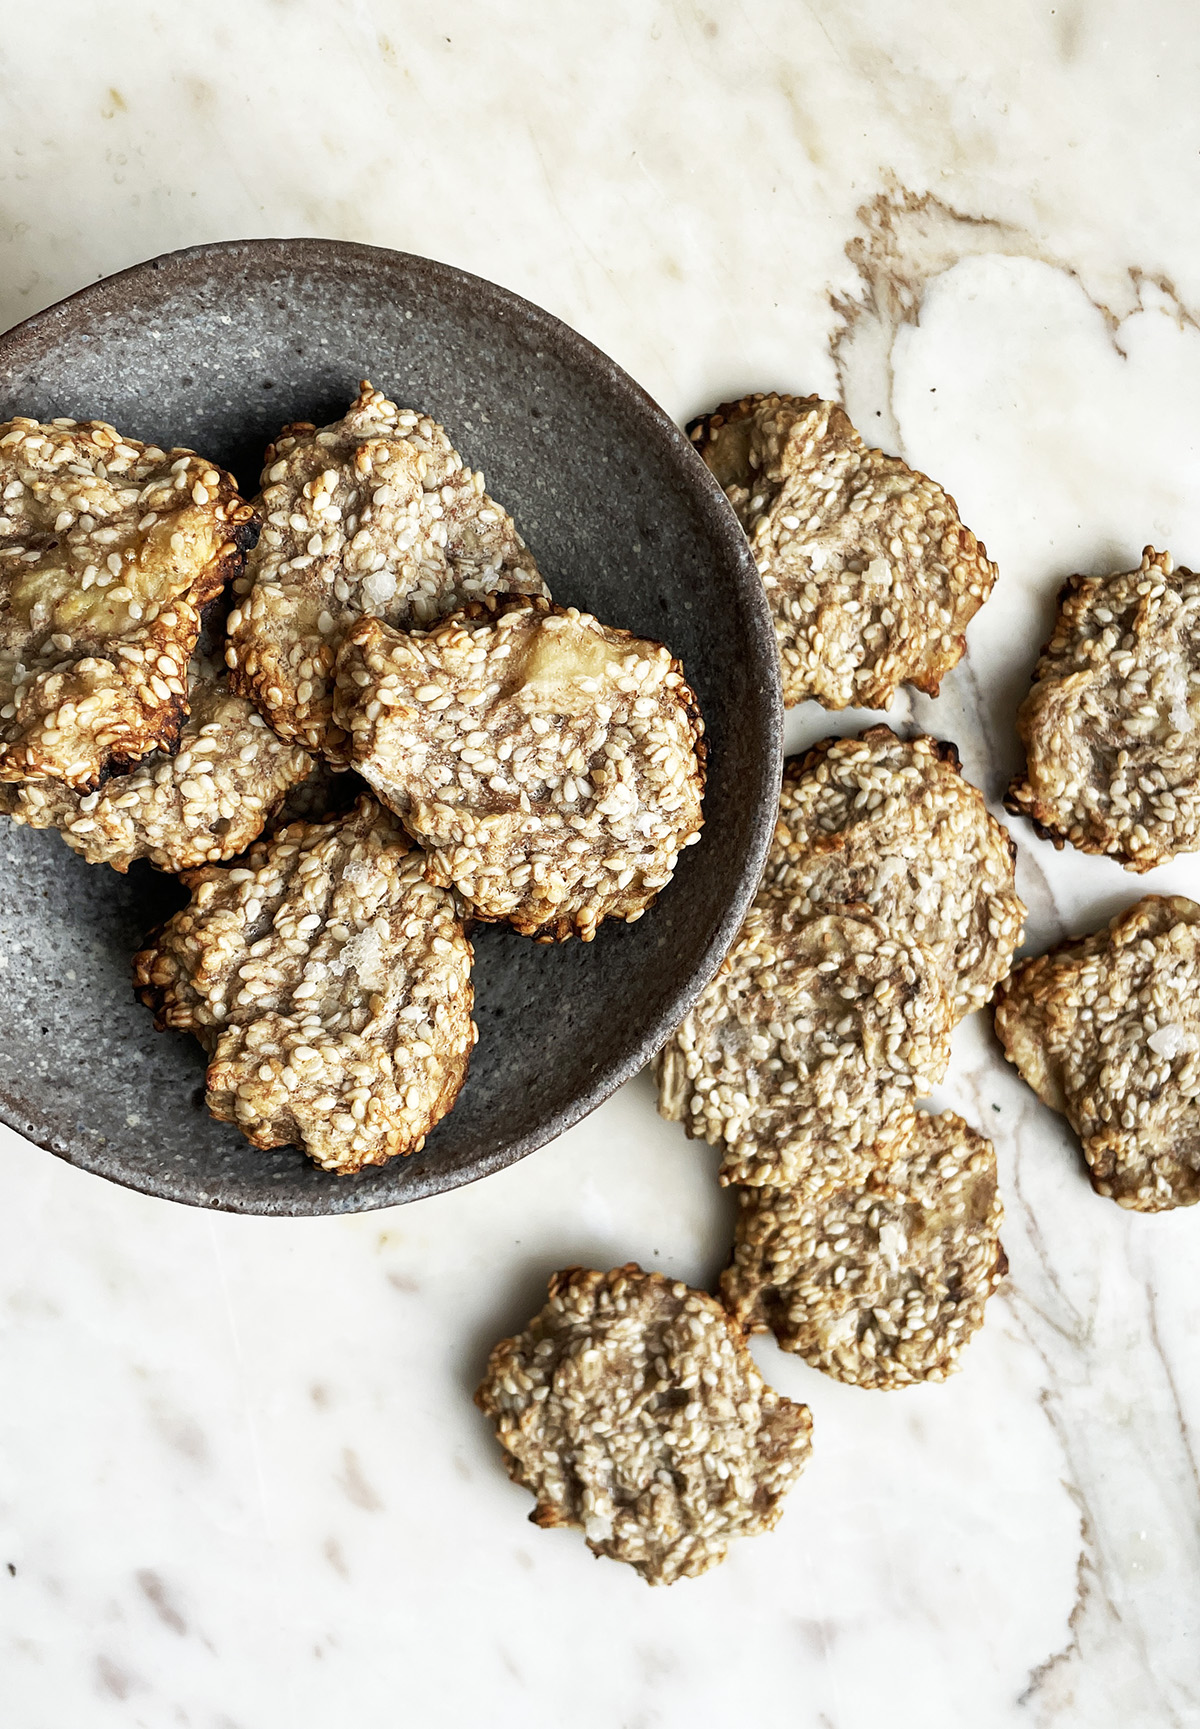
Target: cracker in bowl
(109, 551)
(227, 779)
(330, 985)
(871, 576)
(552, 766)
(632, 1410)
(375, 515)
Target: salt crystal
(1171, 1041)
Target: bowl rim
(312, 254)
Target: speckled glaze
(217, 347)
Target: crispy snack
(1111, 727)
(553, 767)
(109, 549)
(807, 1050)
(871, 576)
(330, 985)
(1106, 1030)
(879, 1282)
(206, 803)
(632, 1410)
(896, 827)
(376, 514)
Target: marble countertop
(242, 1483)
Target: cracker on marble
(871, 576)
(109, 550)
(552, 766)
(882, 1281)
(1106, 1030)
(376, 515)
(226, 781)
(633, 1411)
(330, 985)
(1111, 726)
(895, 826)
(806, 1052)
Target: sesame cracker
(330, 985)
(222, 786)
(1111, 726)
(807, 1051)
(109, 550)
(871, 576)
(897, 827)
(376, 515)
(882, 1281)
(1106, 1030)
(633, 1411)
(552, 766)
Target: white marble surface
(241, 1480)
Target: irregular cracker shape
(109, 549)
(378, 515)
(552, 766)
(871, 576)
(1111, 727)
(880, 1282)
(206, 803)
(632, 1410)
(807, 1050)
(1106, 1030)
(897, 828)
(330, 985)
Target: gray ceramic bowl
(216, 348)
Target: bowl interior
(216, 348)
